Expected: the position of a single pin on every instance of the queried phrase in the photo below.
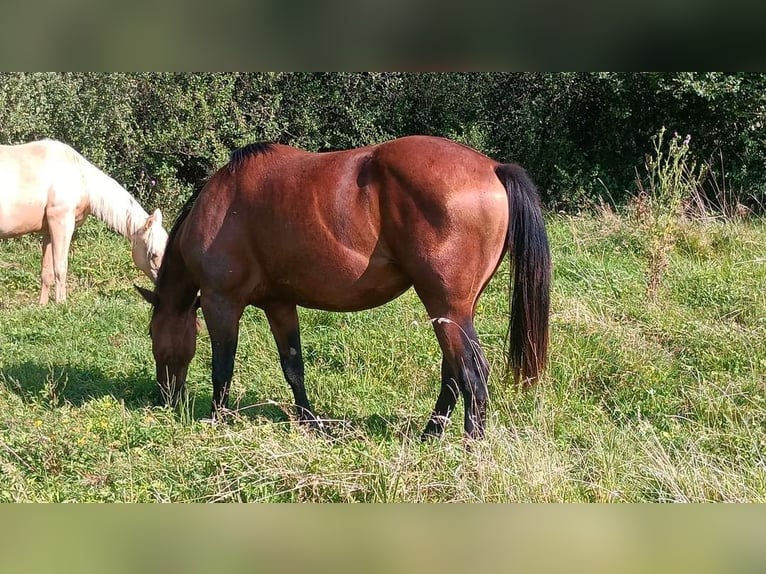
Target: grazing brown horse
(279, 227)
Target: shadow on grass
(56, 384)
(346, 426)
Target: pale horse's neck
(111, 203)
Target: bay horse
(47, 187)
(279, 227)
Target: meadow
(659, 399)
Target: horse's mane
(241, 154)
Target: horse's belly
(18, 218)
(345, 289)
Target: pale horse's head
(148, 245)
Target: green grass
(643, 401)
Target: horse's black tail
(529, 288)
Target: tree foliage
(580, 135)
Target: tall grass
(661, 402)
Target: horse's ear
(149, 296)
(154, 219)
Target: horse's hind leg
(445, 404)
(464, 367)
(283, 320)
(46, 273)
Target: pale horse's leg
(46, 273)
(61, 229)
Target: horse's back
(31, 175)
(435, 165)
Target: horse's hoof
(430, 435)
(315, 425)
(220, 415)
(435, 428)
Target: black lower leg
(222, 316)
(445, 404)
(475, 401)
(283, 320)
(291, 360)
(223, 369)
(474, 371)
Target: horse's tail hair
(529, 286)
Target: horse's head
(148, 243)
(174, 341)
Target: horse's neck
(176, 285)
(110, 202)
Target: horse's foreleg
(222, 319)
(283, 320)
(46, 272)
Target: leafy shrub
(580, 135)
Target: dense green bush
(581, 135)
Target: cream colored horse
(47, 187)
